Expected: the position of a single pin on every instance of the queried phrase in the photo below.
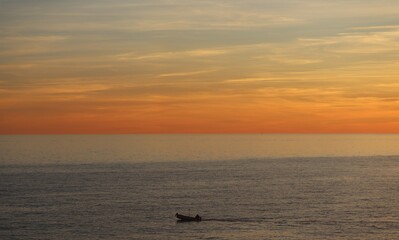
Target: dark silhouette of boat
(185, 218)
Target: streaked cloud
(168, 55)
(360, 42)
(183, 74)
(377, 27)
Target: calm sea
(244, 186)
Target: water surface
(166, 148)
(244, 186)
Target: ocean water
(244, 186)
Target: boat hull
(184, 218)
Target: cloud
(369, 42)
(256, 79)
(206, 52)
(30, 44)
(170, 55)
(184, 74)
(367, 28)
(289, 58)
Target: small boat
(185, 218)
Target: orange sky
(199, 67)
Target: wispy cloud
(183, 74)
(387, 27)
(369, 42)
(169, 55)
(255, 79)
(31, 44)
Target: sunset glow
(168, 66)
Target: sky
(199, 66)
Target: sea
(256, 186)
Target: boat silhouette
(185, 218)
